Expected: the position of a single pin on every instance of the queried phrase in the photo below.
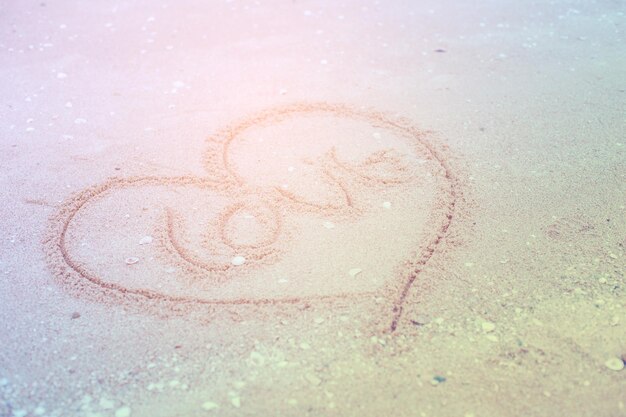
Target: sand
(312, 209)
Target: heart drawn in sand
(302, 202)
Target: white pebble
(61, 75)
(329, 225)
(209, 405)
(387, 205)
(80, 121)
(257, 359)
(106, 404)
(122, 412)
(614, 364)
(238, 260)
(68, 104)
(145, 240)
(131, 260)
(354, 272)
(488, 326)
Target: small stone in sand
(329, 225)
(238, 260)
(437, 379)
(236, 402)
(257, 359)
(488, 327)
(387, 205)
(106, 404)
(75, 315)
(122, 412)
(61, 75)
(313, 379)
(131, 260)
(354, 272)
(614, 364)
(420, 320)
(209, 405)
(145, 240)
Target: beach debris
(75, 315)
(354, 272)
(209, 405)
(440, 50)
(122, 412)
(420, 320)
(146, 240)
(387, 205)
(132, 260)
(614, 364)
(238, 260)
(437, 379)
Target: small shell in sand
(131, 260)
(238, 260)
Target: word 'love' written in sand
(294, 200)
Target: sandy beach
(294, 208)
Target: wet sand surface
(298, 208)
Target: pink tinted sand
(519, 309)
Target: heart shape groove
(303, 202)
